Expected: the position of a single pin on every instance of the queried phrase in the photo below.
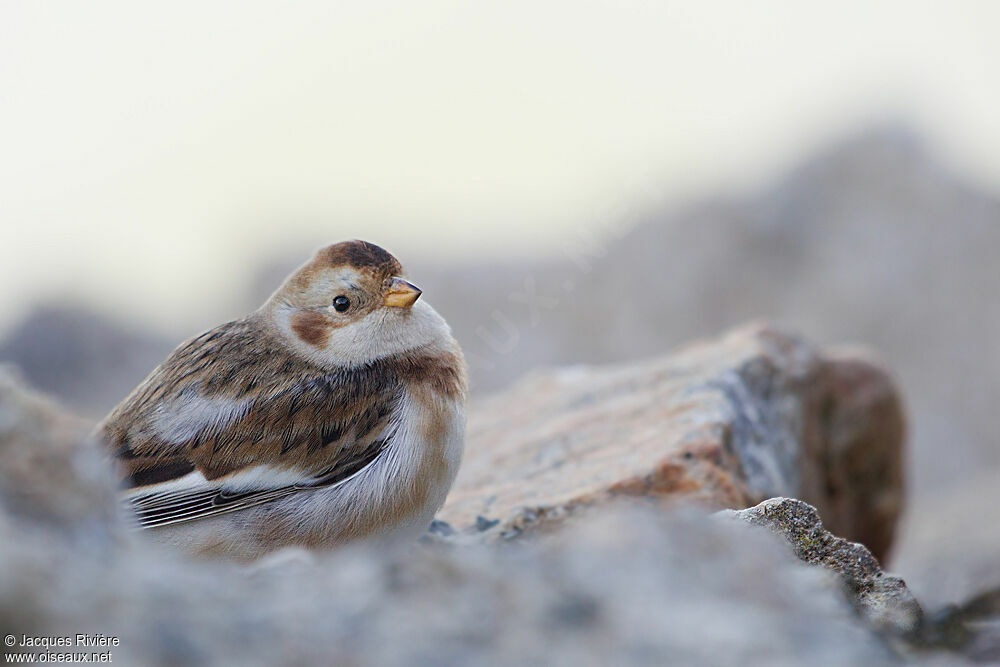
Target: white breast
(402, 490)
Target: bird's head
(350, 305)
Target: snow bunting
(336, 411)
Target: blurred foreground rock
(47, 476)
(726, 422)
(626, 583)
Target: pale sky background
(153, 154)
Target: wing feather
(215, 504)
(163, 508)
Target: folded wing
(232, 420)
(163, 508)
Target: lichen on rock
(882, 599)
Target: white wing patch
(186, 416)
(257, 477)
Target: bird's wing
(232, 419)
(155, 508)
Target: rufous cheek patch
(311, 327)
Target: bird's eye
(341, 303)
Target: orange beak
(401, 294)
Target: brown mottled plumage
(299, 408)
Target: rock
(632, 584)
(970, 630)
(48, 474)
(57, 507)
(882, 599)
(725, 423)
(628, 587)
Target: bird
(334, 412)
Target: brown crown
(360, 255)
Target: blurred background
(570, 182)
